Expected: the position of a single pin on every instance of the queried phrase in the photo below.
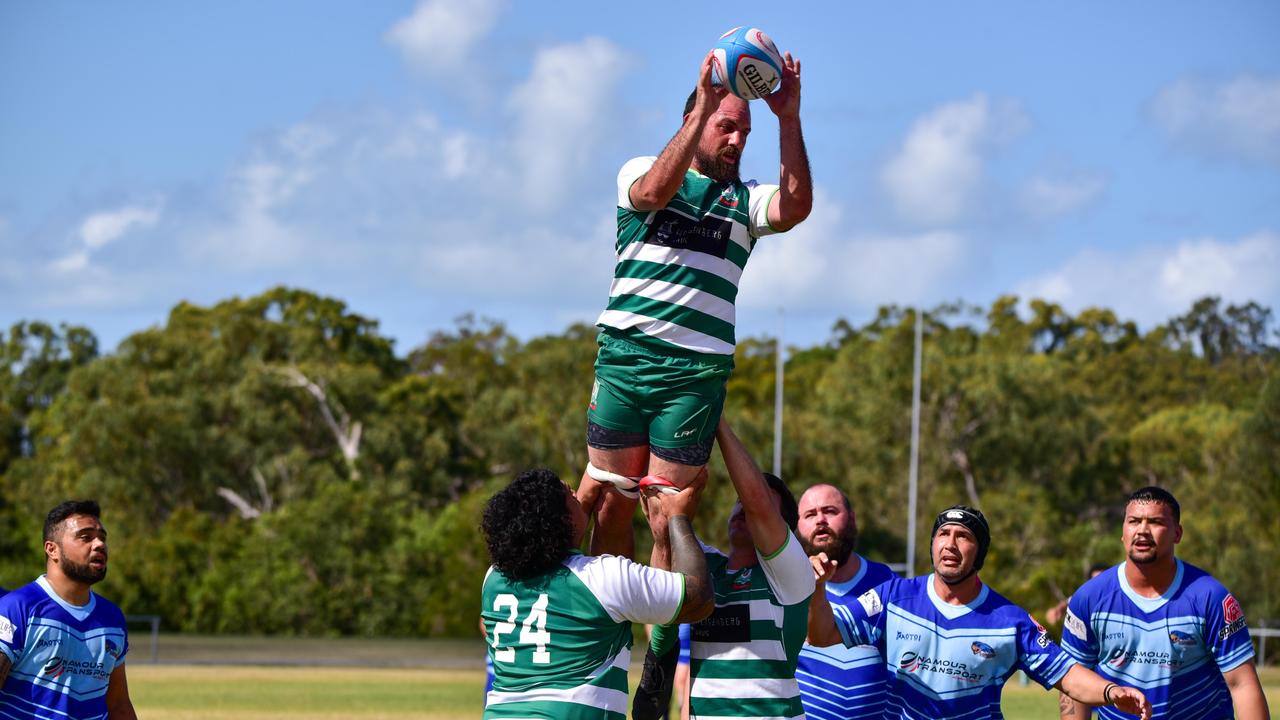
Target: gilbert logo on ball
(747, 63)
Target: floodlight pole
(913, 482)
(777, 400)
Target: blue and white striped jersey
(62, 654)
(845, 683)
(948, 661)
(1174, 648)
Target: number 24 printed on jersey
(534, 631)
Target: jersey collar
(79, 612)
(1146, 604)
(842, 588)
(949, 611)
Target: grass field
(206, 692)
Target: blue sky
(424, 160)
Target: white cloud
(1238, 119)
(101, 228)
(937, 173)
(561, 114)
(439, 34)
(1048, 197)
(821, 265)
(1155, 283)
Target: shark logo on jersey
(982, 649)
(6, 629)
(1181, 638)
(113, 650)
(870, 602)
(743, 580)
(1075, 626)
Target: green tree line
(271, 465)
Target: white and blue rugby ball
(747, 63)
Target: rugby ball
(747, 63)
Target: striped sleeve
(861, 622)
(1227, 633)
(761, 196)
(789, 571)
(1039, 656)
(632, 171)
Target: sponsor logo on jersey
(730, 196)
(915, 663)
(6, 629)
(870, 602)
(982, 649)
(1232, 617)
(743, 580)
(910, 636)
(595, 392)
(1121, 657)
(58, 666)
(1075, 626)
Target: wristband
(1106, 692)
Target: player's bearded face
(93, 570)
(721, 166)
(837, 544)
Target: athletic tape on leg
(623, 484)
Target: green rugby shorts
(675, 397)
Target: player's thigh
(683, 432)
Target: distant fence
(154, 622)
(1260, 634)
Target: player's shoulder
(878, 572)
(107, 612)
(1198, 583)
(1102, 585)
(25, 596)
(638, 165)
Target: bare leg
(612, 534)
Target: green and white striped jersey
(561, 642)
(676, 278)
(743, 658)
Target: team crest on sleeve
(1042, 639)
(1075, 626)
(1232, 617)
(870, 602)
(6, 629)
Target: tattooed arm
(1069, 709)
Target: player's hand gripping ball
(747, 63)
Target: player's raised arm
(768, 529)
(1086, 686)
(654, 189)
(794, 199)
(675, 546)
